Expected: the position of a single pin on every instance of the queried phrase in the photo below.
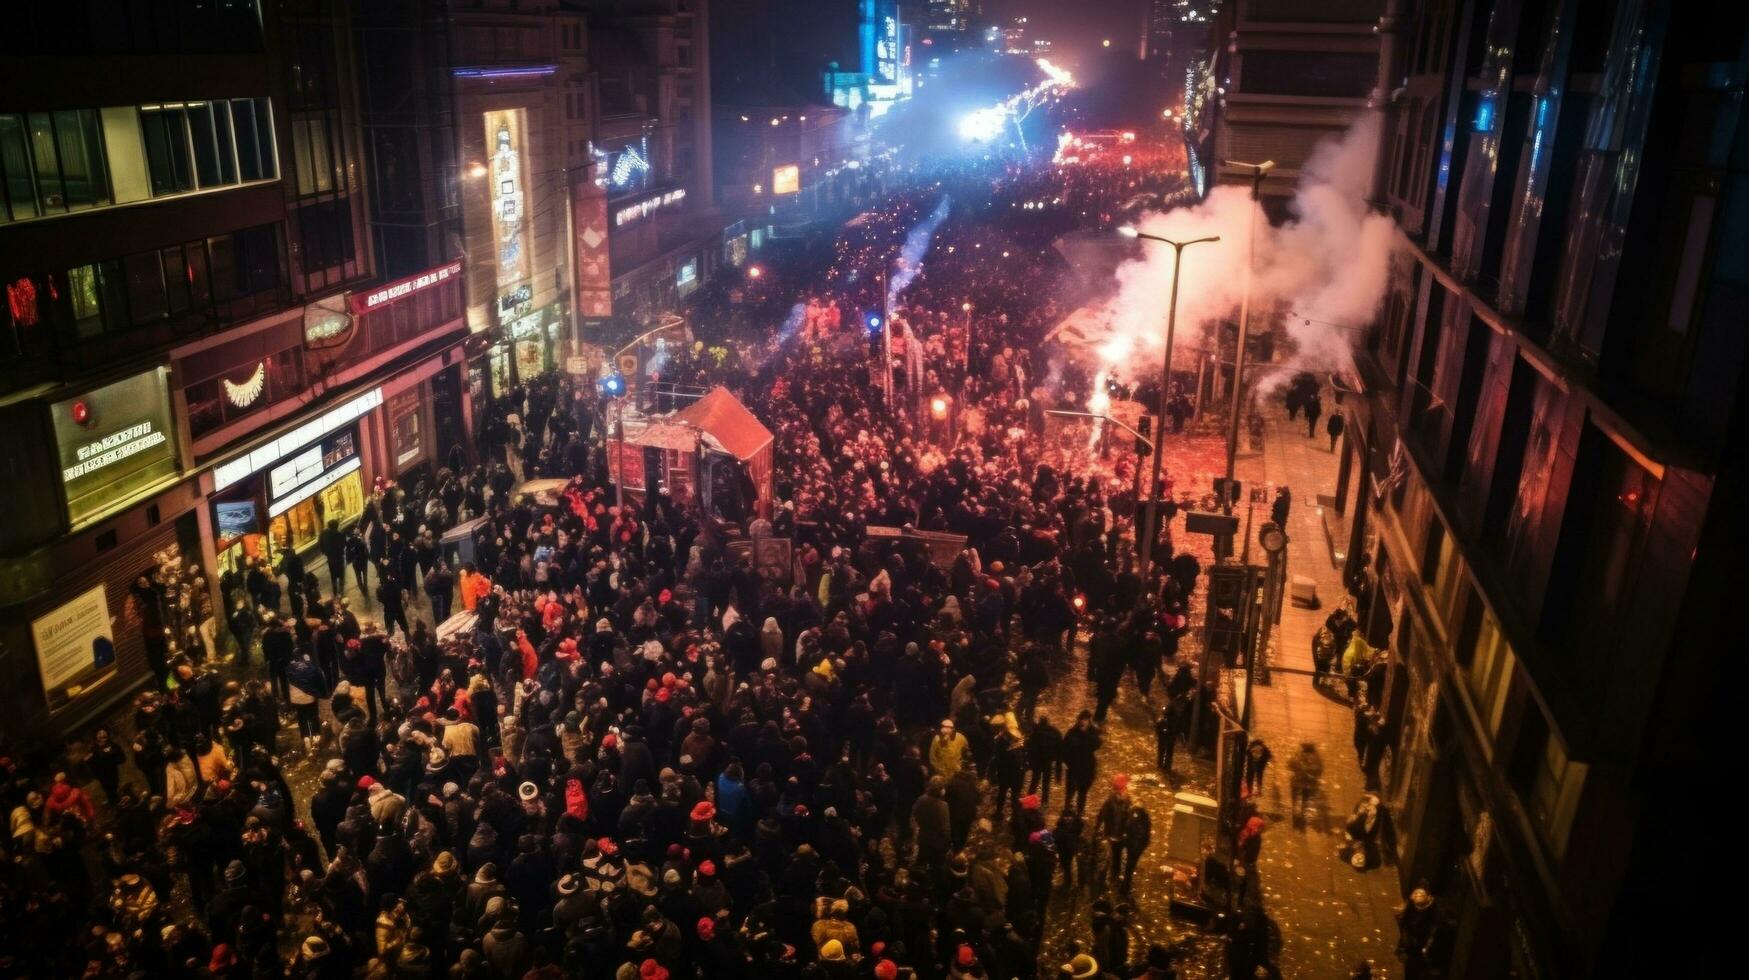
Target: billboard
(507, 191)
(786, 179)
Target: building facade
(204, 359)
(1295, 72)
(1541, 481)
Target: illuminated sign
(648, 206)
(274, 450)
(688, 274)
(507, 192)
(887, 49)
(405, 287)
(311, 471)
(243, 395)
(114, 441)
(326, 323)
(628, 168)
(786, 179)
(113, 448)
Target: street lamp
(1148, 530)
(1258, 171)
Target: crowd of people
(629, 753)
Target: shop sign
(234, 519)
(113, 441)
(786, 179)
(363, 302)
(311, 471)
(648, 206)
(274, 450)
(73, 642)
(507, 193)
(327, 323)
(529, 326)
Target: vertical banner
(594, 268)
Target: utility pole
(1258, 172)
(1148, 529)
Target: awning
(727, 423)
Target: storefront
(533, 345)
(74, 625)
(281, 494)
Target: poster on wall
(506, 177)
(74, 642)
(404, 411)
(786, 179)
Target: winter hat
(652, 970)
(707, 928)
(704, 811)
(832, 951)
(1082, 967)
(965, 957)
(607, 846)
(1030, 801)
(707, 868)
(365, 783)
(1120, 782)
(886, 970)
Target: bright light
(1128, 231)
(774, 122)
(938, 407)
(754, 272)
(1126, 159)
(477, 171)
(1105, 43)
(966, 308)
(983, 125)
(1129, 137)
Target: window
(1488, 668)
(315, 164)
(207, 144)
(52, 163)
(1547, 781)
(147, 301)
(167, 150)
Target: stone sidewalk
(1331, 916)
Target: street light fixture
(1258, 172)
(1148, 530)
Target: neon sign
(648, 206)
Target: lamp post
(1149, 531)
(1258, 171)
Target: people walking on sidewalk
(1306, 771)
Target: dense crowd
(629, 753)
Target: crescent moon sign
(243, 395)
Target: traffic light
(1143, 443)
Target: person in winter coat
(1043, 757)
(1137, 835)
(947, 750)
(1306, 770)
(309, 688)
(932, 824)
(1080, 759)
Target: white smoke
(1322, 274)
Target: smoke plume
(1321, 275)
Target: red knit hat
(965, 956)
(366, 782)
(707, 928)
(1120, 782)
(1029, 802)
(652, 970)
(886, 970)
(707, 868)
(704, 810)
